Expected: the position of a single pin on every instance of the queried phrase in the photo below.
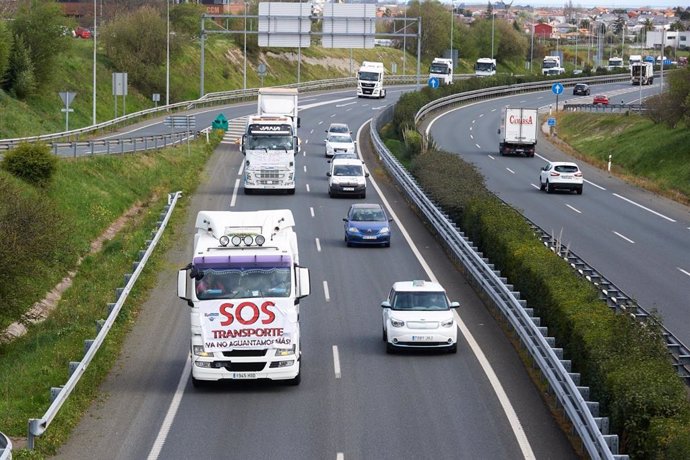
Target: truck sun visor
(245, 260)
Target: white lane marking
(336, 361)
(493, 110)
(312, 131)
(683, 271)
(510, 171)
(471, 128)
(307, 187)
(306, 141)
(378, 107)
(348, 103)
(172, 410)
(311, 211)
(594, 185)
(481, 115)
(503, 399)
(540, 97)
(304, 153)
(624, 237)
(477, 146)
(325, 291)
(239, 173)
(474, 121)
(471, 137)
(574, 209)
(318, 245)
(492, 157)
(234, 193)
(348, 109)
(305, 168)
(333, 115)
(321, 122)
(534, 185)
(340, 455)
(643, 207)
(522, 102)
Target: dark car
(581, 89)
(367, 223)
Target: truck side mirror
(499, 131)
(242, 148)
(182, 286)
(303, 281)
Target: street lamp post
(94, 62)
(493, 17)
(452, 17)
(167, 55)
(531, 47)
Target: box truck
(518, 131)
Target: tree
(185, 18)
(435, 18)
(677, 26)
(5, 50)
(136, 44)
(39, 24)
(619, 25)
(21, 79)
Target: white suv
(561, 175)
(347, 176)
(418, 314)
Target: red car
(602, 99)
(82, 32)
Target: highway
(355, 401)
(636, 239)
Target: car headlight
(329, 147)
(198, 350)
(448, 323)
(353, 229)
(397, 322)
(285, 351)
(384, 230)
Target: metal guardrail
(622, 108)
(5, 448)
(533, 337)
(60, 394)
(208, 100)
(119, 146)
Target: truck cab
(551, 65)
(243, 285)
(370, 80)
(442, 70)
(485, 67)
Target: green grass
(92, 193)
(648, 154)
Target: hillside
(224, 64)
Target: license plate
(567, 176)
(369, 237)
(244, 375)
(422, 338)
(269, 182)
(348, 189)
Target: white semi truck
(243, 286)
(485, 67)
(518, 131)
(370, 80)
(551, 65)
(442, 70)
(642, 73)
(270, 142)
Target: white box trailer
(276, 102)
(518, 131)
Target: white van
(347, 176)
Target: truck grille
(241, 353)
(270, 174)
(244, 367)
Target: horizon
(611, 4)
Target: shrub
(33, 163)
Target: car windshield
(347, 170)
(242, 282)
(419, 301)
(340, 138)
(580, 86)
(368, 215)
(566, 168)
(338, 129)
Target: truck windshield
(484, 66)
(269, 142)
(549, 64)
(243, 282)
(439, 68)
(369, 76)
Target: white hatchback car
(339, 143)
(561, 175)
(418, 314)
(338, 128)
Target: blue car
(367, 224)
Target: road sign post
(261, 71)
(67, 99)
(433, 82)
(557, 89)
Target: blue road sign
(557, 88)
(433, 82)
(551, 121)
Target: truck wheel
(294, 382)
(291, 191)
(383, 94)
(196, 383)
(248, 191)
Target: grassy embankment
(650, 155)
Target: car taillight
(578, 174)
(554, 174)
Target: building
(543, 30)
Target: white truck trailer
(442, 70)
(243, 286)
(485, 67)
(370, 80)
(642, 73)
(518, 131)
(273, 102)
